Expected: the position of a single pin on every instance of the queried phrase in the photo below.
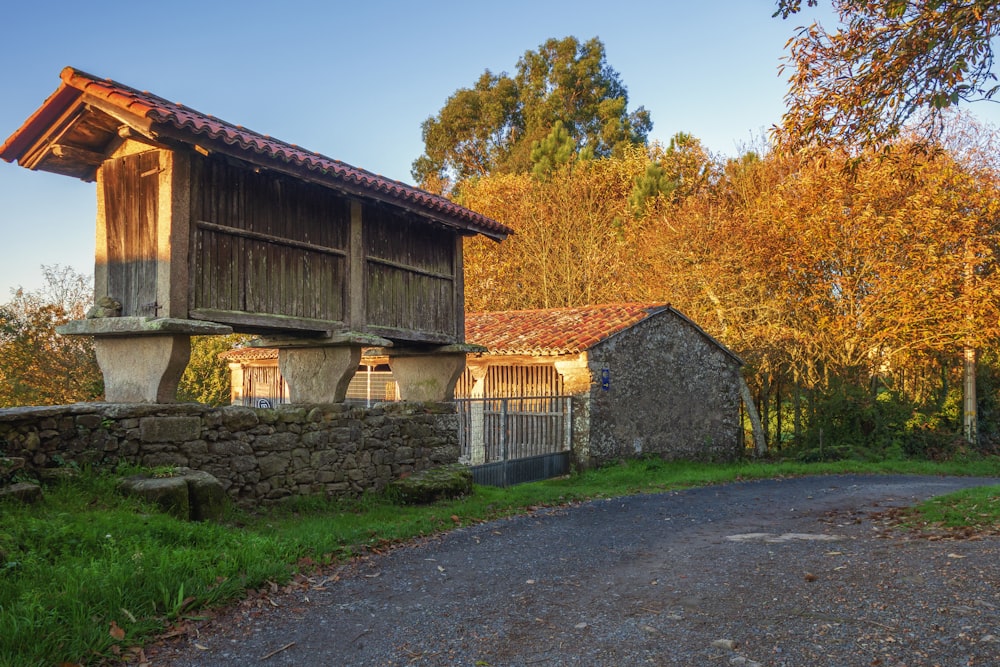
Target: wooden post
(356, 267)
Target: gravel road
(794, 572)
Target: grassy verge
(85, 574)
(970, 513)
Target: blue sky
(354, 80)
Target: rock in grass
(26, 492)
(208, 498)
(170, 494)
(186, 494)
(426, 486)
(10, 465)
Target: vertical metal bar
(568, 422)
(368, 386)
(503, 438)
(462, 407)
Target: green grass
(975, 510)
(86, 573)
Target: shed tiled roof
(554, 331)
(177, 122)
(249, 354)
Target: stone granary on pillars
(204, 227)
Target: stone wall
(259, 455)
(661, 387)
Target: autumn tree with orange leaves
(853, 286)
(38, 366)
(885, 63)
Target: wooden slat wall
(131, 191)
(267, 244)
(410, 274)
(263, 382)
(533, 380)
(514, 381)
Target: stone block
(237, 418)
(32, 441)
(273, 464)
(278, 442)
(278, 494)
(206, 495)
(193, 495)
(303, 477)
(229, 448)
(195, 448)
(316, 439)
(10, 465)
(25, 492)
(89, 421)
(170, 494)
(291, 415)
(243, 464)
(169, 429)
(434, 484)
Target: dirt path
(780, 572)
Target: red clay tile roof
(249, 354)
(554, 331)
(187, 125)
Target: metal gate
(514, 440)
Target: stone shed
(644, 378)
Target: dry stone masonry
(259, 455)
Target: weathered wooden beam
(40, 149)
(410, 268)
(408, 335)
(265, 321)
(138, 124)
(77, 154)
(270, 238)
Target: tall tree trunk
(760, 445)
(777, 405)
(797, 414)
(970, 423)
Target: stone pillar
(477, 410)
(236, 375)
(142, 359)
(142, 369)
(318, 374)
(318, 370)
(427, 377)
(576, 373)
(429, 373)
(578, 380)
